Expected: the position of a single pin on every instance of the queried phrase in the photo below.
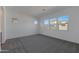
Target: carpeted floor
(39, 44)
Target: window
(35, 22)
(58, 23)
(46, 22)
(53, 24)
(63, 22)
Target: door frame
(3, 24)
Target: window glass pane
(53, 24)
(63, 22)
(35, 22)
(46, 22)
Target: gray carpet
(39, 44)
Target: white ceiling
(33, 10)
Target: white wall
(24, 27)
(0, 28)
(0, 17)
(73, 33)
